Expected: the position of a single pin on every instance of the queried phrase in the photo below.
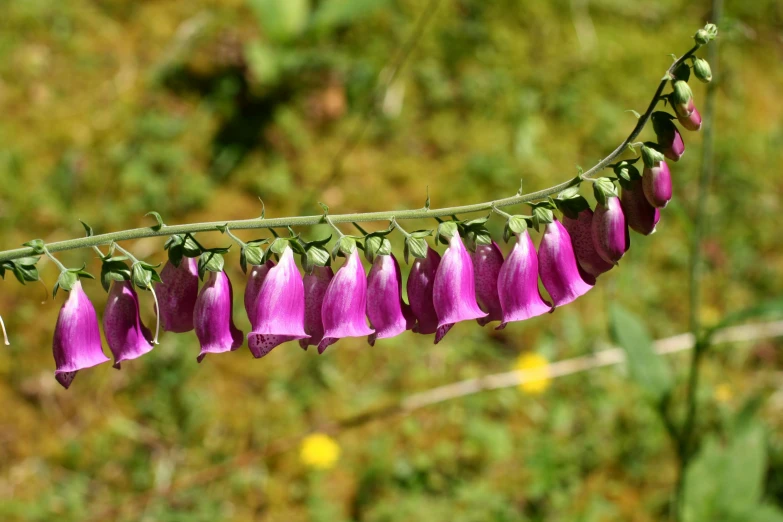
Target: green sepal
(651, 154)
(570, 202)
(143, 274)
(210, 260)
(114, 269)
(446, 231)
(24, 269)
(626, 173)
(345, 246)
(603, 189)
(542, 213)
(415, 245)
(683, 72)
(87, 228)
(37, 245)
(682, 93)
(69, 277)
(660, 121)
(376, 245)
(252, 253)
(157, 217)
(182, 245)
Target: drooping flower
(669, 137)
(345, 303)
(385, 307)
(682, 98)
(657, 184)
(420, 286)
(692, 122)
(315, 285)
(177, 295)
(581, 232)
(562, 276)
(126, 334)
(213, 316)
(77, 337)
(640, 215)
(255, 281)
(280, 307)
(610, 231)
(487, 261)
(454, 291)
(517, 284)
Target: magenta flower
(177, 295)
(213, 316)
(520, 297)
(420, 286)
(454, 291)
(126, 335)
(315, 286)
(581, 232)
(657, 184)
(557, 266)
(640, 215)
(487, 261)
(669, 137)
(77, 337)
(610, 231)
(255, 280)
(385, 307)
(345, 303)
(692, 122)
(280, 308)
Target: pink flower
(581, 232)
(213, 316)
(640, 215)
(345, 303)
(657, 184)
(454, 292)
(315, 286)
(517, 285)
(126, 335)
(77, 337)
(421, 281)
(610, 232)
(177, 295)
(255, 280)
(385, 307)
(487, 262)
(280, 307)
(557, 266)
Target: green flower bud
(701, 68)
(682, 99)
(701, 37)
(651, 155)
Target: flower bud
(420, 286)
(610, 231)
(255, 280)
(385, 307)
(657, 184)
(702, 37)
(487, 261)
(77, 337)
(454, 290)
(126, 335)
(682, 99)
(345, 303)
(701, 68)
(315, 285)
(669, 137)
(581, 232)
(640, 215)
(518, 291)
(213, 316)
(692, 122)
(177, 295)
(280, 307)
(557, 266)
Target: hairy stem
(397, 215)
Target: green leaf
(645, 366)
(87, 228)
(37, 245)
(157, 218)
(281, 20)
(335, 13)
(263, 62)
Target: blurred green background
(110, 109)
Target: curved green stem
(424, 213)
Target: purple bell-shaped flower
(385, 307)
(280, 309)
(669, 137)
(487, 261)
(315, 285)
(125, 333)
(77, 337)
(255, 280)
(640, 215)
(657, 184)
(557, 266)
(454, 290)
(177, 295)
(213, 316)
(610, 231)
(421, 280)
(581, 232)
(345, 304)
(517, 285)
(691, 122)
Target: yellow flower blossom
(319, 451)
(723, 393)
(536, 369)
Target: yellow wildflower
(723, 393)
(536, 375)
(319, 451)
